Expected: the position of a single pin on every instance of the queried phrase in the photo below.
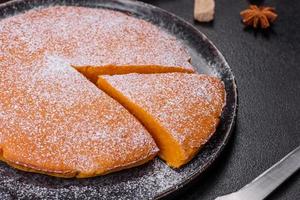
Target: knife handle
(268, 181)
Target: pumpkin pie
(55, 121)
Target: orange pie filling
(92, 72)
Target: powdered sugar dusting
(156, 176)
(47, 70)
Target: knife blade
(268, 181)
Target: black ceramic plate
(152, 180)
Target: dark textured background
(267, 69)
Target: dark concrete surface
(267, 70)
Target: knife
(268, 181)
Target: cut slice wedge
(181, 111)
(92, 72)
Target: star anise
(259, 16)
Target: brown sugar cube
(204, 10)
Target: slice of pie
(180, 110)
